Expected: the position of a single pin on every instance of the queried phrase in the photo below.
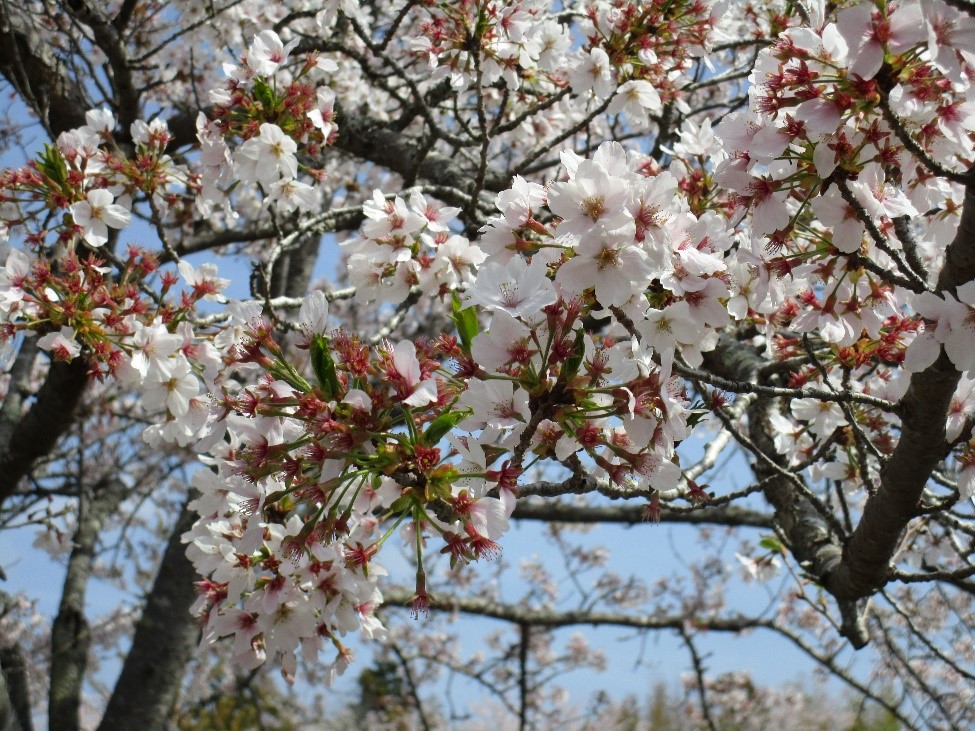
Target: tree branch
(165, 638)
(924, 408)
(542, 617)
(109, 40)
(70, 633)
(811, 539)
(49, 416)
(559, 512)
(8, 716)
(29, 63)
(14, 697)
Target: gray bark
(164, 641)
(70, 633)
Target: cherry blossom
(62, 344)
(554, 277)
(413, 391)
(96, 213)
(518, 288)
(268, 157)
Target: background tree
(708, 265)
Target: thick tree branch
(18, 390)
(367, 140)
(14, 697)
(966, 6)
(924, 408)
(165, 638)
(70, 633)
(49, 416)
(14, 687)
(557, 512)
(8, 717)
(29, 63)
(109, 40)
(811, 540)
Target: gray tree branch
(31, 66)
(543, 617)
(924, 408)
(560, 512)
(51, 413)
(810, 538)
(14, 697)
(165, 637)
(8, 717)
(70, 633)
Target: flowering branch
(864, 568)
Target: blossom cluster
(86, 182)
(407, 244)
(816, 218)
(637, 51)
(282, 118)
(834, 162)
(633, 52)
(318, 475)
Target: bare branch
(543, 617)
(558, 512)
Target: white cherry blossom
(96, 213)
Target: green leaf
(771, 543)
(52, 164)
(400, 504)
(264, 94)
(324, 366)
(466, 321)
(443, 424)
(289, 375)
(574, 361)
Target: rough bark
(924, 408)
(8, 718)
(293, 270)
(404, 155)
(108, 38)
(164, 641)
(36, 433)
(14, 702)
(70, 633)
(38, 75)
(14, 666)
(814, 545)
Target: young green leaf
(443, 424)
(466, 321)
(324, 366)
(574, 361)
(771, 543)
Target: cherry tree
(296, 295)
